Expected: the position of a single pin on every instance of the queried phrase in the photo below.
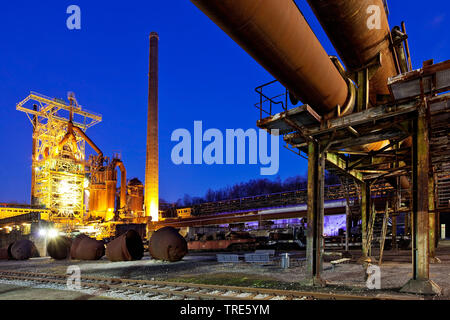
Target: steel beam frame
(432, 221)
(315, 213)
(420, 281)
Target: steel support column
(420, 282)
(365, 211)
(314, 243)
(33, 159)
(432, 221)
(394, 231)
(347, 224)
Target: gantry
(58, 154)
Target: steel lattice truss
(59, 170)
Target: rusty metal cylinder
(352, 26)
(167, 244)
(126, 247)
(5, 253)
(59, 247)
(23, 250)
(85, 248)
(275, 33)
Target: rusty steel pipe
(23, 250)
(126, 247)
(88, 140)
(123, 183)
(346, 22)
(86, 248)
(59, 247)
(5, 253)
(167, 244)
(275, 34)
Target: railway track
(152, 289)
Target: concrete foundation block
(314, 282)
(425, 287)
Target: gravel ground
(349, 278)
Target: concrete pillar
(314, 243)
(420, 282)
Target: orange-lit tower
(151, 165)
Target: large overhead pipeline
(346, 22)
(275, 33)
(357, 39)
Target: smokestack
(151, 165)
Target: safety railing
(266, 104)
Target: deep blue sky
(204, 76)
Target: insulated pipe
(275, 33)
(352, 28)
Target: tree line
(253, 187)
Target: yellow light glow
(154, 209)
(109, 215)
(52, 233)
(64, 187)
(69, 195)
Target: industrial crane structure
(74, 192)
(58, 154)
